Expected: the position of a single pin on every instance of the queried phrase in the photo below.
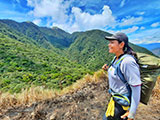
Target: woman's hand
(105, 67)
(126, 115)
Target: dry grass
(35, 94)
(98, 76)
(155, 99)
(26, 97)
(156, 90)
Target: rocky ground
(87, 103)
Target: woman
(118, 45)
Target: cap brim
(110, 38)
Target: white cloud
(155, 24)
(56, 9)
(81, 21)
(140, 13)
(130, 30)
(56, 12)
(146, 36)
(142, 28)
(130, 21)
(37, 21)
(31, 3)
(122, 3)
(87, 21)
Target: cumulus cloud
(87, 21)
(80, 21)
(65, 15)
(37, 21)
(130, 30)
(56, 9)
(130, 21)
(56, 12)
(155, 24)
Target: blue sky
(139, 19)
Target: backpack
(147, 77)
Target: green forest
(49, 57)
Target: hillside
(24, 64)
(153, 47)
(85, 100)
(150, 46)
(156, 51)
(47, 57)
(91, 49)
(42, 35)
(46, 73)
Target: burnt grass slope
(86, 103)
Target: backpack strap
(112, 61)
(120, 74)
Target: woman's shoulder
(128, 59)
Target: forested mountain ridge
(42, 35)
(91, 49)
(23, 64)
(53, 58)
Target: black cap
(122, 37)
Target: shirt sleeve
(135, 98)
(130, 70)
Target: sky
(139, 19)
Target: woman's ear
(122, 45)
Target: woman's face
(115, 47)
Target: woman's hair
(128, 50)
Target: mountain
(156, 51)
(57, 36)
(44, 36)
(150, 46)
(24, 63)
(91, 49)
(49, 57)
(12, 33)
(153, 47)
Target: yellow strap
(125, 108)
(110, 109)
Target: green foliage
(24, 64)
(90, 49)
(45, 37)
(46, 57)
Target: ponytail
(129, 50)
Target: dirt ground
(152, 110)
(87, 103)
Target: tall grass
(156, 90)
(38, 93)
(35, 94)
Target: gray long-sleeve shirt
(130, 70)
